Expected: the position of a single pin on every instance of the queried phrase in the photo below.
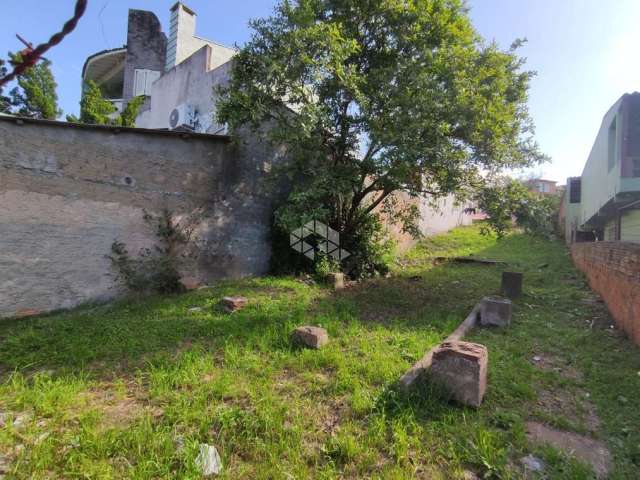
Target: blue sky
(585, 53)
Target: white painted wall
(436, 217)
(192, 83)
(442, 216)
(183, 41)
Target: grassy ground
(129, 390)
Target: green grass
(109, 391)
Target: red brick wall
(613, 271)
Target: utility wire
(30, 58)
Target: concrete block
(495, 311)
(461, 369)
(190, 283)
(336, 280)
(312, 337)
(512, 284)
(232, 304)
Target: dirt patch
(572, 406)
(585, 449)
(121, 409)
(599, 317)
(329, 420)
(557, 364)
(379, 300)
(120, 413)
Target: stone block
(512, 284)
(208, 460)
(312, 337)
(190, 283)
(495, 311)
(336, 280)
(461, 369)
(233, 304)
(27, 312)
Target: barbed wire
(30, 58)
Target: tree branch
(385, 193)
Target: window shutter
(143, 80)
(139, 82)
(151, 77)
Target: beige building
(542, 186)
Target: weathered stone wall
(613, 271)
(146, 48)
(68, 191)
(193, 82)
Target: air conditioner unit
(182, 116)
(206, 124)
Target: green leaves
(128, 116)
(375, 97)
(35, 96)
(504, 200)
(94, 108)
(5, 102)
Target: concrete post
(495, 311)
(512, 284)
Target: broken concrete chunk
(336, 280)
(469, 475)
(178, 443)
(461, 369)
(208, 460)
(233, 304)
(532, 464)
(312, 337)
(21, 420)
(495, 311)
(190, 283)
(5, 465)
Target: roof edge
(113, 128)
(102, 52)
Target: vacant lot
(129, 390)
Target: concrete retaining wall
(436, 217)
(613, 271)
(68, 191)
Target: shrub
(506, 200)
(155, 269)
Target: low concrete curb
(422, 365)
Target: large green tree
(35, 95)
(377, 96)
(5, 102)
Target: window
(543, 187)
(142, 81)
(611, 144)
(575, 190)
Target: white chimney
(182, 30)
